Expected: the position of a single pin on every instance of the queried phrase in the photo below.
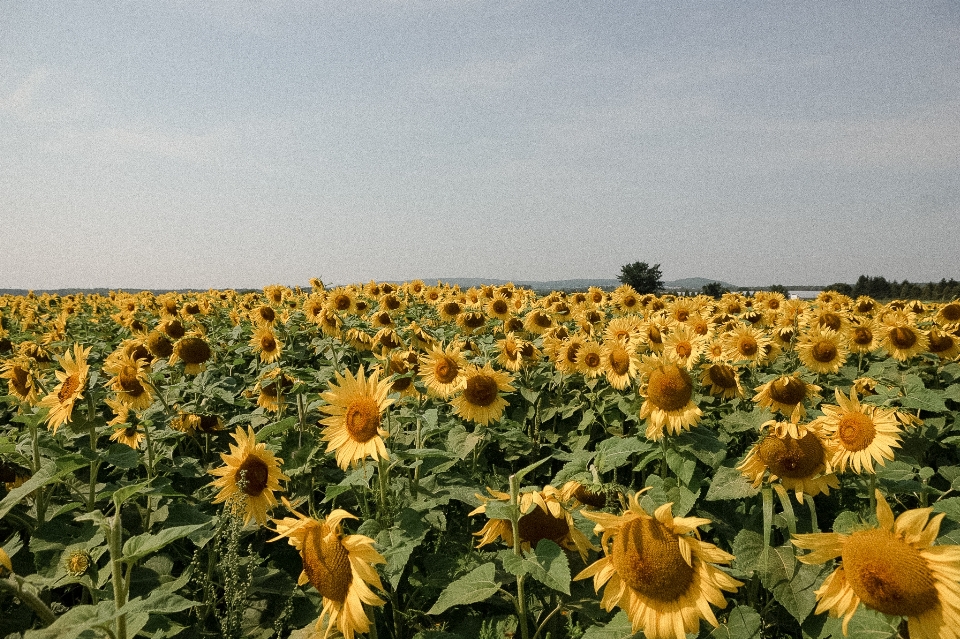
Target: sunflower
(272, 389)
(194, 351)
(20, 379)
(340, 567)
(668, 398)
(625, 299)
(263, 315)
(948, 315)
(342, 300)
(943, 344)
(621, 363)
(402, 367)
(721, 380)
(901, 337)
(73, 381)
(471, 322)
(862, 335)
(684, 346)
(786, 394)
(590, 361)
(625, 329)
(129, 435)
(159, 344)
(538, 322)
(510, 352)
(130, 381)
(745, 343)
(862, 433)
(543, 516)
(480, 400)
(172, 328)
(449, 310)
(893, 568)
(249, 478)
(579, 495)
(564, 353)
(662, 576)
(822, 350)
(265, 342)
(797, 455)
(499, 308)
(442, 370)
(355, 406)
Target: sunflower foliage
(422, 461)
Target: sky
(239, 144)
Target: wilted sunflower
(667, 390)
(621, 363)
(894, 568)
(543, 516)
(73, 381)
(721, 380)
(339, 566)
(355, 406)
(577, 495)
(786, 394)
(796, 454)
(194, 351)
(822, 350)
(250, 476)
(657, 572)
(901, 337)
(20, 379)
(130, 381)
(862, 433)
(480, 399)
(442, 370)
(265, 342)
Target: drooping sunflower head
(786, 394)
(658, 571)
(893, 568)
(944, 345)
(667, 390)
(480, 399)
(159, 344)
(355, 405)
(798, 455)
(721, 380)
(249, 477)
(194, 351)
(948, 315)
(20, 375)
(543, 515)
(130, 381)
(621, 363)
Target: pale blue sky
(237, 144)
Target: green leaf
(124, 493)
(122, 456)
(399, 542)
(747, 550)
(949, 505)
(618, 628)
(276, 428)
(703, 444)
(952, 392)
(477, 585)
(916, 395)
(616, 451)
(742, 623)
(791, 582)
(547, 564)
(740, 421)
(730, 483)
(48, 473)
(870, 624)
(142, 545)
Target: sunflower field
(410, 461)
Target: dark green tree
(779, 288)
(642, 277)
(714, 290)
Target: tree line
(880, 288)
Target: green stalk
(521, 602)
(813, 514)
(95, 463)
(14, 585)
(41, 493)
(114, 534)
(146, 432)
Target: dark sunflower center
(619, 361)
(824, 352)
(474, 320)
(327, 563)
(362, 419)
(499, 307)
(592, 360)
(748, 346)
(267, 314)
(194, 350)
(792, 458)
(831, 321)
(255, 473)
(159, 345)
(670, 388)
(629, 302)
(940, 343)
(268, 344)
(723, 376)
(590, 498)
(481, 390)
(341, 302)
(951, 312)
(888, 574)
(647, 557)
(446, 370)
(862, 336)
(571, 353)
(174, 329)
(856, 431)
(684, 350)
(539, 524)
(70, 386)
(902, 337)
(542, 320)
(654, 334)
(450, 308)
(788, 390)
(128, 381)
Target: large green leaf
(547, 564)
(49, 472)
(730, 483)
(477, 585)
(142, 545)
(399, 542)
(792, 583)
(742, 623)
(618, 628)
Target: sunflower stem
(767, 494)
(873, 492)
(521, 601)
(114, 533)
(383, 470)
(788, 513)
(41, 493)
(146, 431)
(14, 585)
(95, 464)
(813, 513)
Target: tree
(714, 290)
(779, 288)
(642, 277)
